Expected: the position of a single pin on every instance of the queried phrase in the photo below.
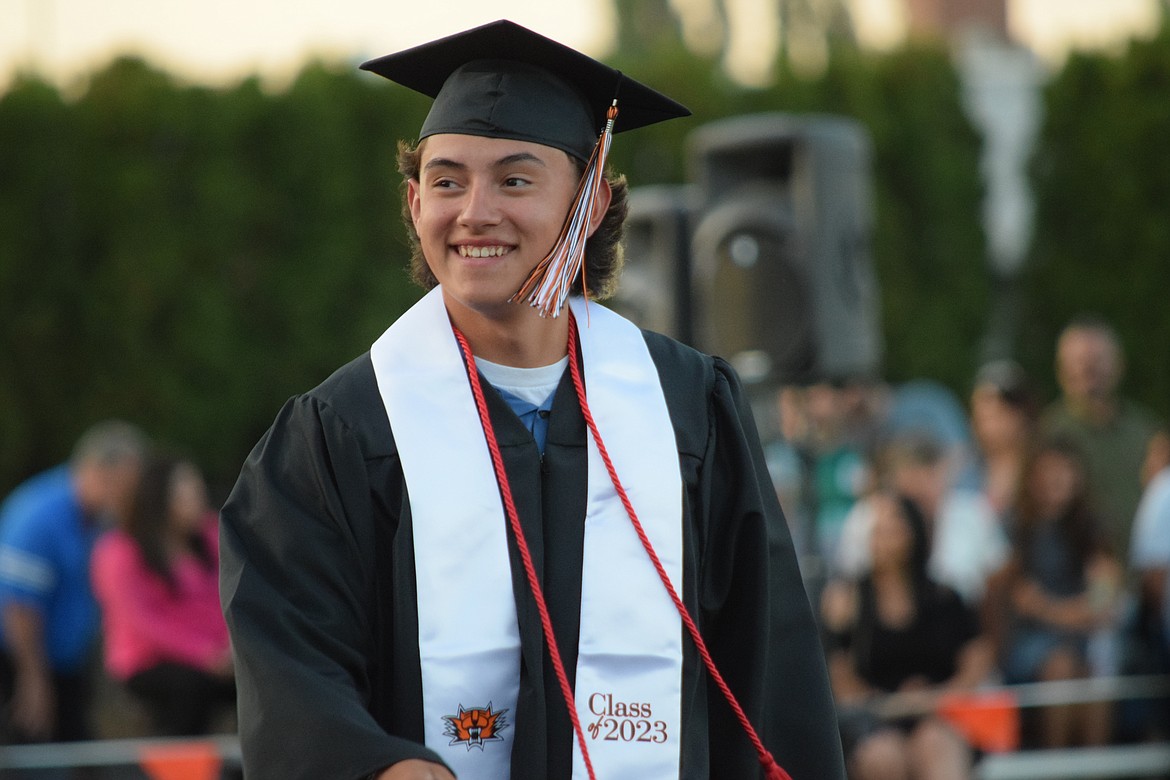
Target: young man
(456, 556)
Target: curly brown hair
(603, 250)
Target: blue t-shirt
(528, 392)
(534, 416)
(45, 544)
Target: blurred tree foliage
(189, 257)
(1102, 179)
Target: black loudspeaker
(782, 277)
(655, 288)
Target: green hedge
(1102, 246)
(189, 258)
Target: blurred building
(948, 18)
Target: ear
(601, 201)
(412, 198)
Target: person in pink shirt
(156, 581)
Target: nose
(480, 206)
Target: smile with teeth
(482, 251)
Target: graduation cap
(501, 80)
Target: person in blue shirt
(48, 617)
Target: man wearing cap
(519, 538)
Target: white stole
(629, 667)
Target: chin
(484, 302)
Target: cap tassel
(547, 287)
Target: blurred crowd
(1002, 539)
(948, 544)
(109, 569)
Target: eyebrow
(519, 157)
(511, 159)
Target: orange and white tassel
(547, 287)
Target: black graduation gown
(317, 582)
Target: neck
(516, 336)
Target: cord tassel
(547, 287)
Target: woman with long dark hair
(156, 580)
(1059, 590)
(897, 631)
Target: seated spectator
(156, 580)
(896, 630)
(1149, 627)
(928, 408)
(817, 455)
(1059, 593)
(1003, 421)
(1150, 549)
(966, 539)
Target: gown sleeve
(757, 619)
(297, 590)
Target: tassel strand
(547, 287)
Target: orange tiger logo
(473, 727)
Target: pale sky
(218, 41)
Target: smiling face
(487, 210)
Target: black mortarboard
(502, 80)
